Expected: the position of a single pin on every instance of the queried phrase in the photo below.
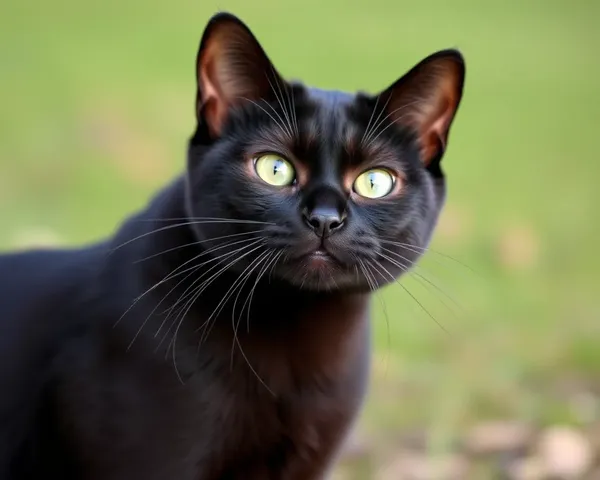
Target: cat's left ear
(231, 68)
(425, 101)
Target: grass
(97, 105)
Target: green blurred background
(96, 104)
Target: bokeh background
(492, 369)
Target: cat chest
(272, 435)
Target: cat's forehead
(319, 125)
(330, 119)
(330, 99)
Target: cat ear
(232, 68)
(426, 100)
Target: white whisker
(197, 242)
(177, 225)
(422, 278)
(285, 112)
(394, 279)
(192, 300)
(282, 127)
(376, 123)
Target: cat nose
(324, 220)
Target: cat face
(325, 190)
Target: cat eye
(275, 170)
(374, 183)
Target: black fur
(101, 380)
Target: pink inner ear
(209, 90)
(212, 99)
(433, 120)
(232, 68)
(434, 131)
(428, 97)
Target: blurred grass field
(97, 106)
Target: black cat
(223, 332)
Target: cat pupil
(372, 181)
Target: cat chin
(321, 275)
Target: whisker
(383, 306)
(174, 274)
(373, 273)
(262, 256)
(219, 261)
(251, 243)
(248, 241)
(260, 274)
(294, 114)
(207, 324)
(421, 250)
(198, 290)
(391, 123)
(197, 242)
(422, 278)
(366, 275)
(283, 129)
(217, 219)
(229, 292)
(394, 279)
(252, 368)
(381, 300)
(377, 123)
(193, 269)
(235, 324)
(193, 300)
(332, 278)
(177, 225)
(370, 119)
(283, 108)
(251, 294)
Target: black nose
(324, 220)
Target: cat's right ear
(231, 68)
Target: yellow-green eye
(275, 170)
(375, 183)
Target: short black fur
(223, 332)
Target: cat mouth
(317, 256)
(320, 258)
(318, 267)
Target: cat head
(320, 189)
